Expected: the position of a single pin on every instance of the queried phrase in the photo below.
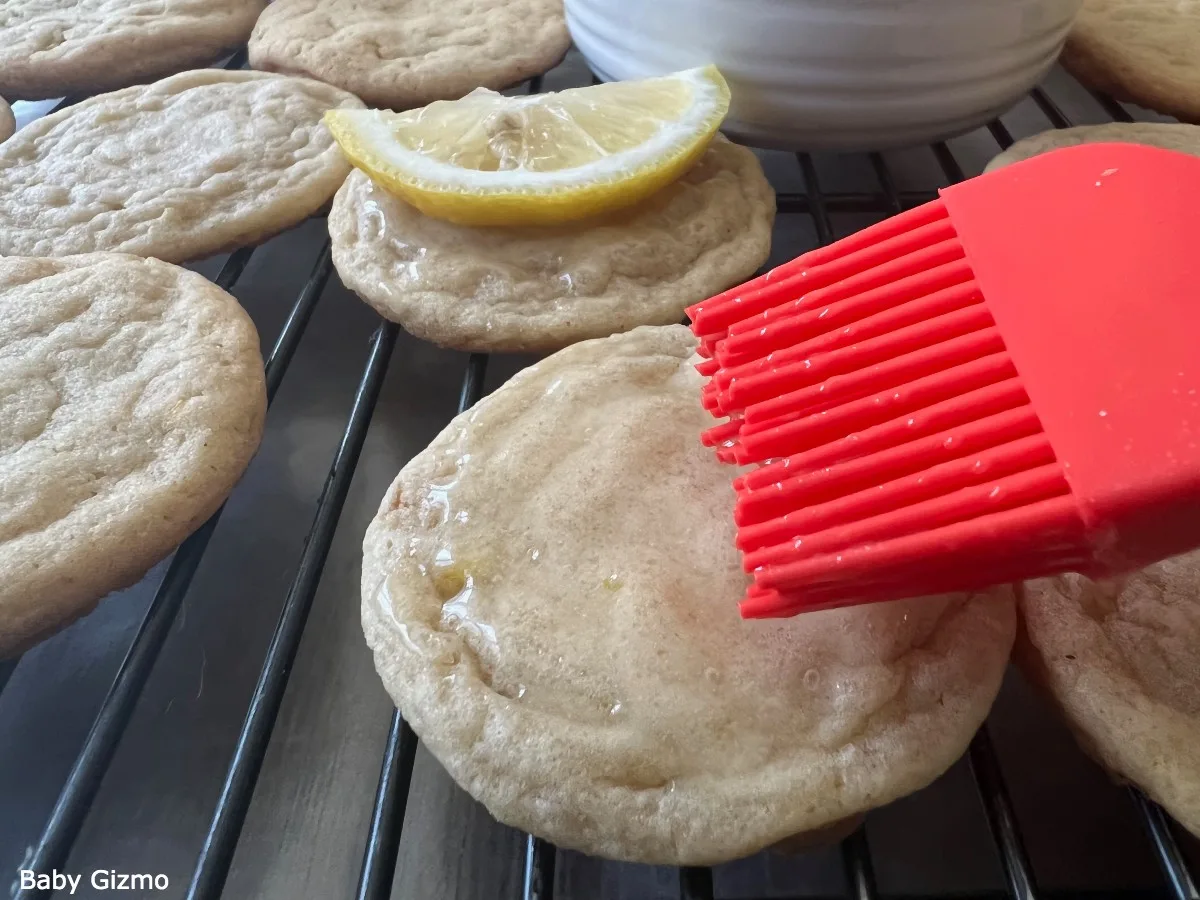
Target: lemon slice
(488, 159)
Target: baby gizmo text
(100, 880)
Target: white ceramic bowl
(836, 74)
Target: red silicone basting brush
(1000, 384)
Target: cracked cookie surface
(1143, 51)
(538, 289)
(180, 169)
(54, 48)
(1121, 661)
(131, 399)
(550, 591)
(402, 54)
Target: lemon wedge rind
(374, 141)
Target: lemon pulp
(488, 159)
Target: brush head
(1000, 384)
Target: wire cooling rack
(383, 837)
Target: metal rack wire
(383, 838)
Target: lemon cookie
(550, 591)
(131, 399)
(180, 169)
(1121, 659)
(7, 123)
(52, 48)
(1143, 51)
(541, 288)
(401, 54)
(1169, 136)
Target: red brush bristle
(870, 382)
(996, 385)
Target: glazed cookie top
(402, 54)
(180, 169)
(537, 289)
(54, 48)
(551, 588)
(131, 399)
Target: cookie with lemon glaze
(541, 288)
(550, 591)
